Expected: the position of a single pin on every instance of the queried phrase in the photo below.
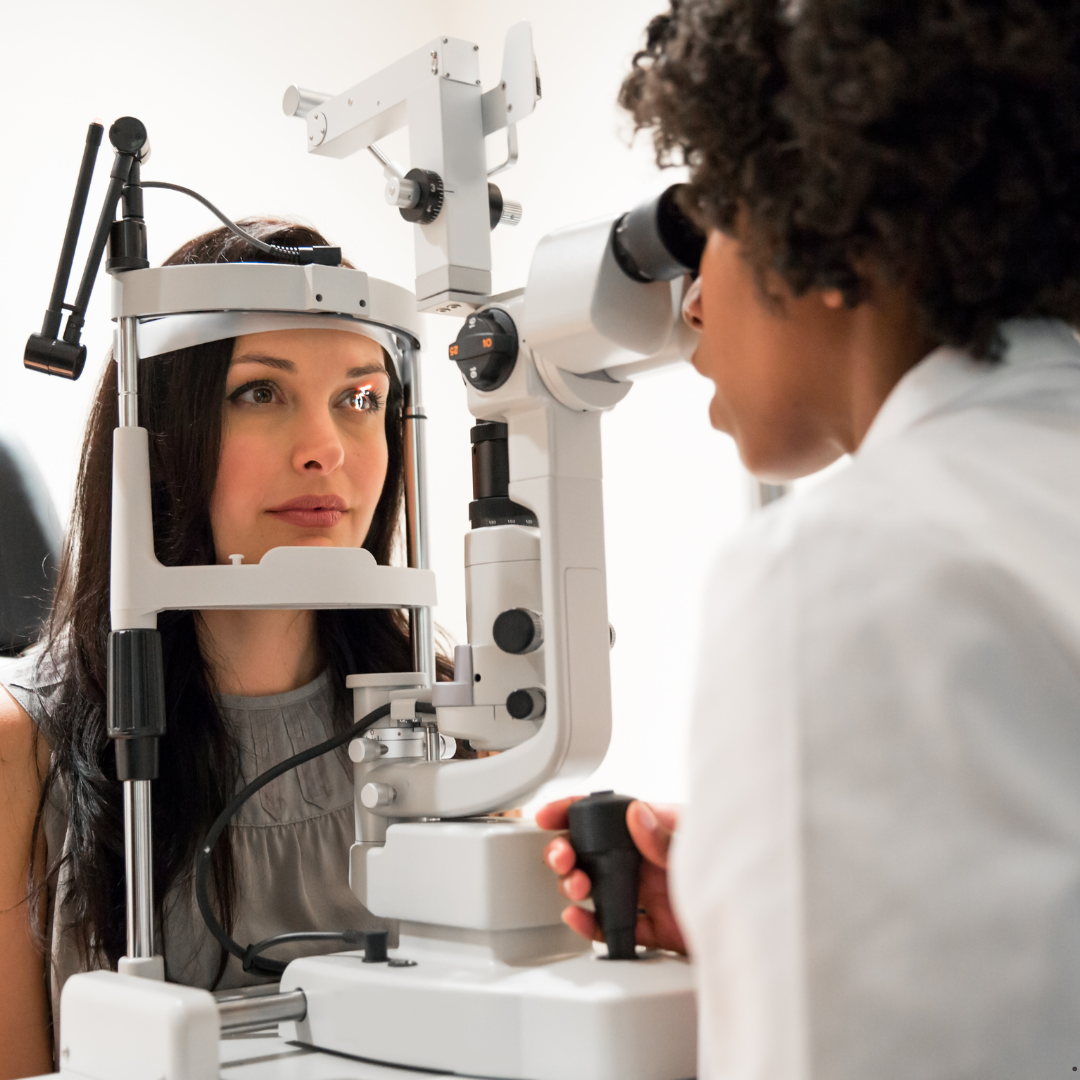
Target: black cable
(249, 956)
(373, 942)
(329, 256)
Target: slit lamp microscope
(486, 981)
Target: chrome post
(432, 742)
(242, 1012)
(421, 627)
(139, 867)
(127, 373)
(138, 848)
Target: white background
(207, 79)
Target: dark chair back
(29, 549)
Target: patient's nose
(319, 449)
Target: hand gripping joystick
(607, 854)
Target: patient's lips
(311, 511)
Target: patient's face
(303, 442)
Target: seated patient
(290, 437)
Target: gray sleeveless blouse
(290, 841)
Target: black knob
(429, 197)
(486, 348)
(128, 135)
(52, 357)
(518, 630)
(528, 704)
(606, 852)
(375, 946)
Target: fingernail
(647, 817)
(551, 857)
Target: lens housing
(657, 241)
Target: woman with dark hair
(878, 869)
(278, 438)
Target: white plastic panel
(376, 107)
(118, 1027)
(473, 875)
(458, 1010)
(515, 95)
(276, 287)
(583, 313)
(519, 72)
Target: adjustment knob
(528, 704)
(502, 211)
(486, 348)
(606, 852)
(518, 630)
(128, 136)
(426, 197)
(401, 192)
(373, 795)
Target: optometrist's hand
(651, 828)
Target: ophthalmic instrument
(485, 980)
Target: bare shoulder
(24, 753)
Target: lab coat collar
(947, 376)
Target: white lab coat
(879, 865)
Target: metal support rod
(51, 326)
(127, 373)
(390, 168)
(432, 742)
(421, 628)
(138, 846)
(139, 868)
(249, 1013)
(117, 179)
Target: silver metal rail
(127, 373)
(250, 1012)
(421, 626)
(139, 866)
(138, 847)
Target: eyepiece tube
(657, 241)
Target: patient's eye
(254, 393)
(362, 399)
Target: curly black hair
(937, 140)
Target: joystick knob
(606, 852)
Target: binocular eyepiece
(657, 241)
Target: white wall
(207, 78)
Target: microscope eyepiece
(657, 241)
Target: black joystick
(607, 854)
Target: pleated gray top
(290, 841)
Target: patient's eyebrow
(368, 369)
(278, 362)
(281, 364)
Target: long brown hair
(180, 396)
